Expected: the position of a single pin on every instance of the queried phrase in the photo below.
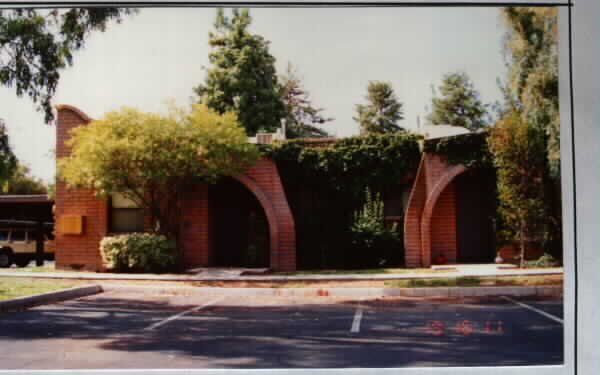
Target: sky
(161, 54)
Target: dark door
(474, 218)
(239, 231)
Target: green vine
(349, 164)
(471, 149)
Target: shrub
(138, 252)
(373, 243)
(545, 260)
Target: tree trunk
(522, 240)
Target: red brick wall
(412, 219)
(194, 234)
(77, 251)
(430, 223)
(443, 225)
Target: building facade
(433, 223)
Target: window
(125, 215)
(17, 236)
(3, 235)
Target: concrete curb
(516, 291)
(274, 278)
(21, 303)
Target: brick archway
(430, 216)
(270, 212)
(430, 204)
(263, 180)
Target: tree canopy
(8, 160)
(303, 118)
(382, 111)
(35, 45)
(22, 182)
(531, 49)
(459, 103)
(151, 158)
(242, 78)
(518, 150)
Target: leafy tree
(151, 158)
(382, 112)
(459, 104)
(518, 151)
(242, 78)
(531, 49)
(35, 45)
(21, 182)
(302, 118)
(8, 160)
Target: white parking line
(549, 316)
(357, 317)
(356, 322)
(167, 320)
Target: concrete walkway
(487, 270)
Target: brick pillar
(77, 251)
(195, 231)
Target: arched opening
(240, 232)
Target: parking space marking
(357, 318)
(171, 318)
(549, 316)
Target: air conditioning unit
(264, 138)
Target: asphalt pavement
(124, 330)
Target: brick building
(444, 214)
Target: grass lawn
(477, 281)
(371, 271)
(12, 287)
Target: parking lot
(122, 330)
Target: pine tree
(242, 78)
(302, 118)
(383, 111)
(459, 104)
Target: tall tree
(22, 182)
(518, 151)
(382, 111)
(8, 160)
(242, 78)
(302, 117)
(531, 50)
(36, 45)
(459, 104)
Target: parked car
(18, 246)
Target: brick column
(77, 251)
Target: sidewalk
(228, 275)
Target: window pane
(3, 235)
(120, 201)
(18, 235)
(127, 220)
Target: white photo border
(579, 73)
